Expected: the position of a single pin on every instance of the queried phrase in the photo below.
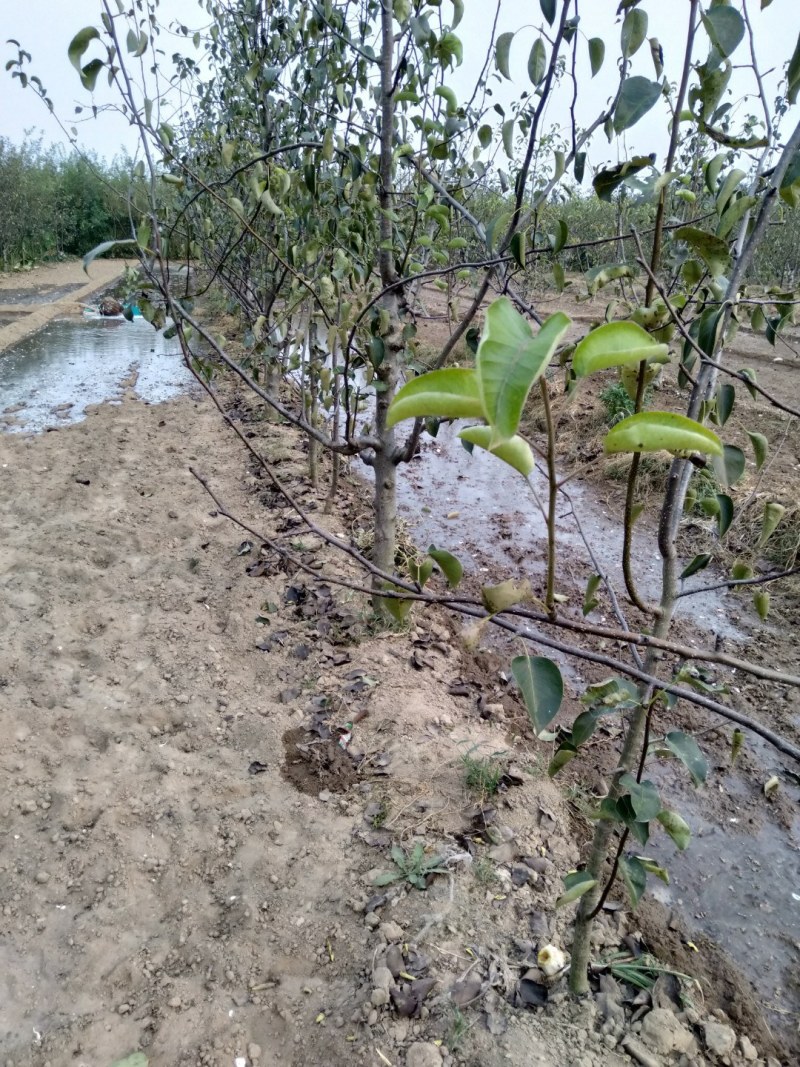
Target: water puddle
(51, 377)
(479, 509)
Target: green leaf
(458, 13)
(656, 431)
(699, 563)
(728, 188)
(615, 344)
(750, 375)
(558, 276)
(773, 513)
(537, 62)
(516, 452)
(734, 214)
(638, 95)
(485, 135)
(634, 876)
(640, 830)
(517, 247)
(712, 249)
(564, 753)
(106, 246)
(542, 688)
(90, 73)
(449, 97)
(761, 603)
(724, 514)
(420, 572)
(653, 868)
(726, 394)
(688, 752)
(590, 601)
(452, 393)
(559, 238)
(760, 447)
(497, 598)
(606, 181)
(79, 43)
(576, 884)
(136, 1059)
(548, 10)
(507, 134)
(711, 172)
(644, 798)
(676, 826)
(597, 53)
(634, 31)
(740, 571)
(793, 74)
(447, 563)
(398, 609)
(729, 467)
(599, 276)
(725, 28)
(501, 53)
(509, 360)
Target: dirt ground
(190, 829)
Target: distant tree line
(56, 204)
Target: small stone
(503, 853)
(379, 998)
(423, 1054)
(719, 1038)
(254, 1051)
(182, 698)
(123, 1009)
(664, 1033)
(325, 795)
(372, 920)
(749, 1050)
(28, 807)
(372, 1018)
(392, 931)
(42, 877)
(174, 1002)
(382, 978)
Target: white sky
(45, 27)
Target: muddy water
(739, 881)
(51, 377)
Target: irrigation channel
(738, 885)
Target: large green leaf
(760, 447)
(656, 431)
(537, 61)
(644, 798)
(634, 31)
(576, 883)
(447, 563)
(638, 95)
(452, 393)
(542, 688)
(548, 10)
(606, 181)
(501, 53)
(773, 513)
(615, 344)
(597, 53)
(509, 360)
(676, 826)
(497, 598)
(712, 249)
(730, 466)
(688, 752)
(725, 27)
(516, 451)
(79, 43)
(634, 876)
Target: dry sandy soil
(187, 852)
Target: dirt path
(30, 299)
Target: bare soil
(206, 754)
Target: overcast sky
(45, 27)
